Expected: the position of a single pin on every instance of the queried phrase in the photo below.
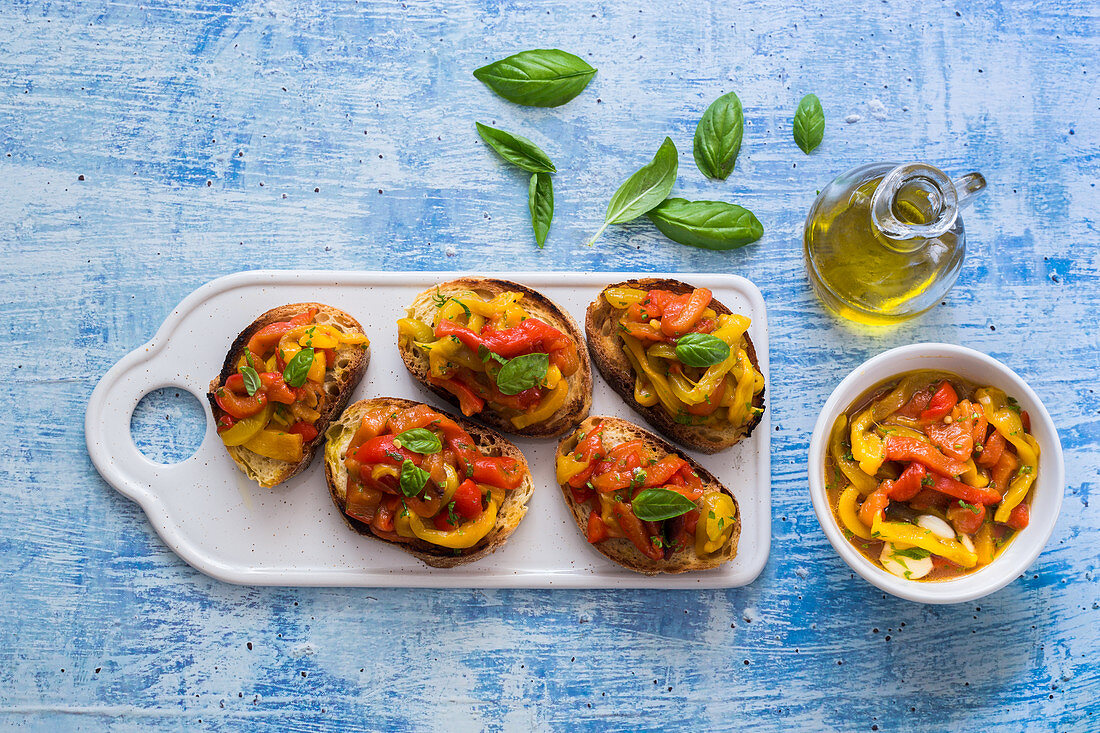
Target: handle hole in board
(168, 425)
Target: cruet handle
(968, 187)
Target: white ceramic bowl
(978, 368)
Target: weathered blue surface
(219, 136)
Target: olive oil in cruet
(885, 242)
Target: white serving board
(228, 527)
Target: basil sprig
(419, 440)
(523, 372)
(913, 553)
(413, 479)
(644, 190)
(701, 350)
(516, 149)
(707, 224)
(538, 77)
(251, 380)
(540, 201)
(718, 137)
(298, 367)
(655, 505)
(809, 123)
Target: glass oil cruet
(885, 242)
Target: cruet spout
(916, 201)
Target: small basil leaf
(516, 149)
(540, 200)
(654, 505)
(537, 78)
(413, 479)
(707, 224)
(522, 372)
(419, 440)
(251, 380)
(718, 137)
(645, 189)
(913, 553)
(298, 367)
(809, 123)
(701, 350)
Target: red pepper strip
(874, 505)
(642, 331)
(916, 404)
(278, 390)
(467, 500)
(503, 472)
(684, 312)
(1019, 517)
(705, 325)
(969, 494)
(265, 339)
(532, 335)
(582, 495)
(383, 516)
(597, 530)
(225, 422)
(382, 450)
(468, 402)
(991, 453)
(307, 431)
(691, 480)
(964, 519)
(908, 484)
(634, 530)
(622, 450)
(955, 440)
(612, 481)
(586, 452)
(901, 448)
(237, 405)
(1026, 420)
(660, 472)
(442, 522)
(1001, 472)
(943, 401)
(928, 499)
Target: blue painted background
(215, 136)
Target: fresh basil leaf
(419, 440)
(645, 189)
(522, 372)
(809, 123)
(706, 224)
(251, 380)
(540, 200)
(537, 78)
(913, 553)
(654, 505)
(298, 367)
(413, 479)
(516, 149)
(701, 350)
(718, 137)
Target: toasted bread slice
(622, 550)
(611, 361)
(348, 368)
(579, 401)
(513, 509)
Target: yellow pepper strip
(452, 310)
(623, 298)
(551, 403)
(643, 391)
(277, 445)
(553, 376)
(477, 322)
(440, 358)
(902, 432)
(864, 483)
(642, 365)
(972, 476)
(246, 429)
(911, 534)
(568, 467)
(730, 329)
(415, 329)
(1007, 422)
(382, 470)
(465, 536)
(513, 314)
(849, 517)
(866, 446)
(884, 407)
(316, 371)
(402, 525)
(983, 543)
(742, 395)
(450, 486)
(319, 339)
(717, 515)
